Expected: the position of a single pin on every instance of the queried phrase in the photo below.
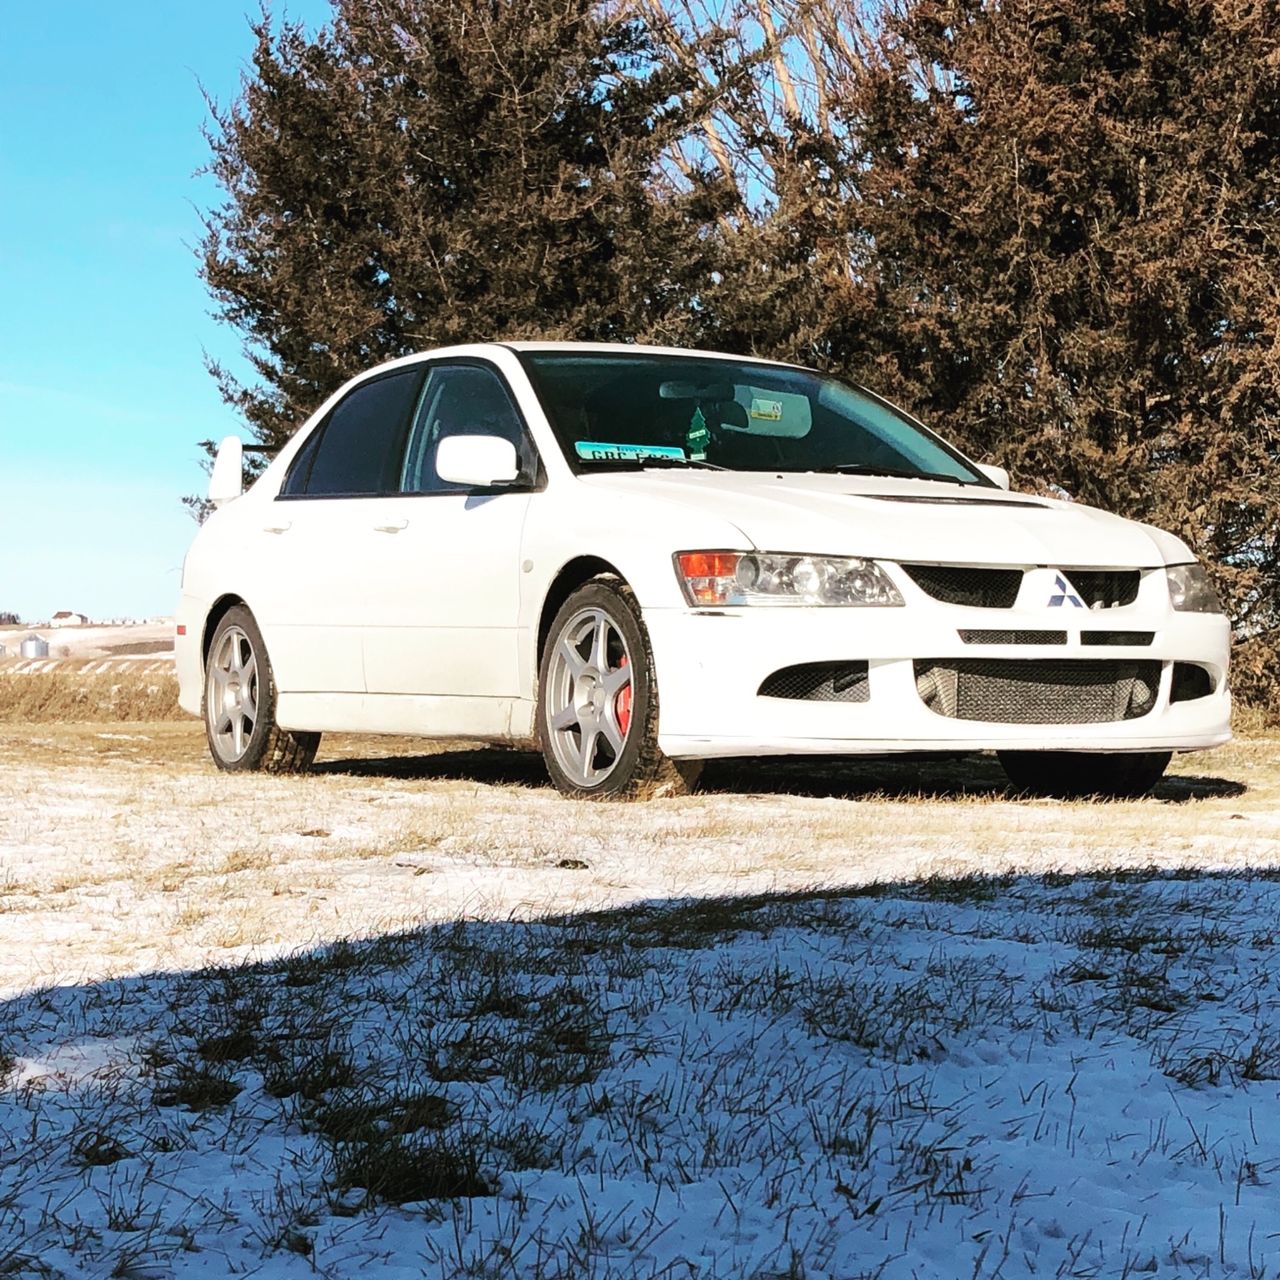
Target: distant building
(64, 618)
(35, 647)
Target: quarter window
(358, 452)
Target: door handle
(391, 526)
(281, 527)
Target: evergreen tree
(1077, 254)
(421, 173)
(1051, 227)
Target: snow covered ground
(853, 1032)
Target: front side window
(621, 410)
(459, 400)
(355, 452)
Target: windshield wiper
(895, 473)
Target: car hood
(902, 520)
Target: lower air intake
(819, 682)
(1037, 691)
(1190, 681)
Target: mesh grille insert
(962, 584)
(1013, 637)
(1038, 690)
(819, 682)
(1117, 637)
(1105, 588)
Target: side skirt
(427, 715)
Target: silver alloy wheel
(589, 697)
(231, 694)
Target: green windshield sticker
(599, 451)
(698, 438)
(766, 410)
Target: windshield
(618, 410)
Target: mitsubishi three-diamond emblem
(1063, 595)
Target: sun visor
(782, 414)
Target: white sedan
(641, 558)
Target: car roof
(474, 350)
(636, 348)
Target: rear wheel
(240, 703)
(598, 701)
(1074, 774)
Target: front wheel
(598, 701)
(240, 703)
(1073, 775)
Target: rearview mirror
(997, 475)
(477, 461)
(226, 480)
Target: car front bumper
(710, 667)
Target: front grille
(819, 682)
(961, 584)
(1117, 637)
(1037, 690)
(1105, 588)
(1013, 637)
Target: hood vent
(940, 501)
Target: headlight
(1191, 590)
(731, 578)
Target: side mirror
(477, 461)
(226, 480)
(997, 474)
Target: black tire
(251, 740)
(1074, 775)
(639, 770)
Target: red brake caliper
(622, 704)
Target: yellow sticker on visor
(766, 410)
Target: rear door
(442, 576)
(313, 600)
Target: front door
(442, 574)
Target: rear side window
(295, 482)
(358, 447)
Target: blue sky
(103, 322)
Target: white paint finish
(441, 596)
(432, 603)
(226, 479)
(476, 461)
(866, 516)
(308, 589)
(421, 715)
(709, 668)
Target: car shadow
(824, 777)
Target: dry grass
(128, 694)
(122, 848)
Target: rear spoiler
(269, 450)
(226, 478)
